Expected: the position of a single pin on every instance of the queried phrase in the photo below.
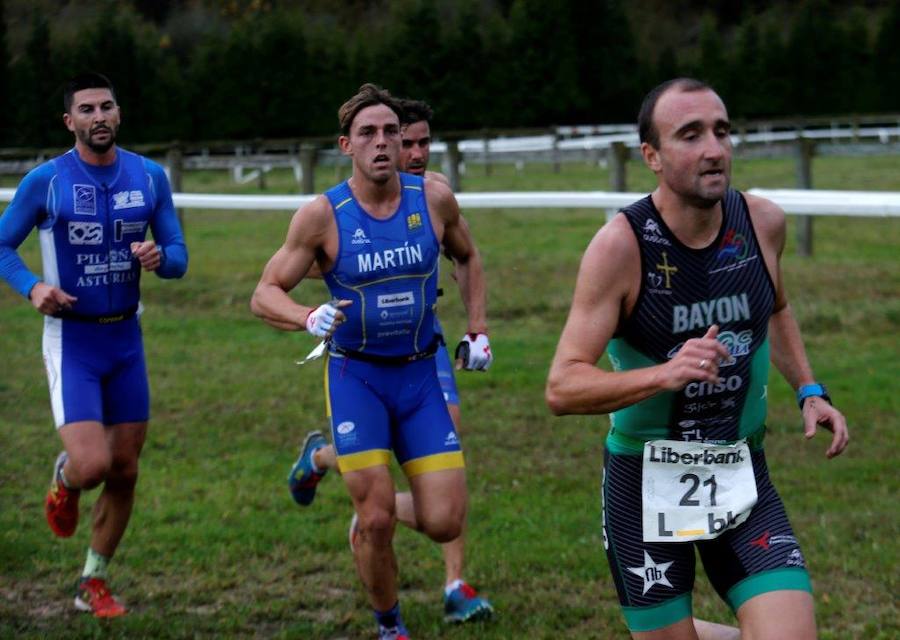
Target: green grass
(216, 548)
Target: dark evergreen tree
(4, 78)
(887, 61)
(543, 65)
(607, 67)
(814, 54)
(38, 101)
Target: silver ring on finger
(703, 363)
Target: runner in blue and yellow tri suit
(93, 207)
(685, 288)
(462, 603)
(377, 239)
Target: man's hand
(50, 300)
(473, 352)
(326, 318)
(148, 254)
(817, 411)
(697, 360)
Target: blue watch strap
(810, 390)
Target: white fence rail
(793, 201)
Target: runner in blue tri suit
(92, 207)
(376, 239)
(685, 288)
(462, 603)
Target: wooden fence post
(805, 151)
(556, 161)
(488, 168)
(175, 161)
(617, 159)
(308, 164)
(453, 160)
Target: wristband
(812, 390)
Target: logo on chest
(359, 237)
(84, 199)
(128, 199)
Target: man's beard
(99, 147)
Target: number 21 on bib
(695, 490)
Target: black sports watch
(810, 390)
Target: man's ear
(651, 157)
(345, 145)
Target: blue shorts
(96, 372)
(378, 408)
(445, 375)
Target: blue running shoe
(464, 605)
(393, 633)
(302, 480)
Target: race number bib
(695, 490)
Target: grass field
(217, 549)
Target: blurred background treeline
(240, 69)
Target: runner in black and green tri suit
(685, 289)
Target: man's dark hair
(368, 95)
(415, 111)
(89, 80)
(646, 127)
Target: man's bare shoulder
(614, 243)
(313, 219)
(440, 198)
(437, 176)
(768, 218)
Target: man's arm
(167, 253)
(459, 246)
(787, 350)
(607, 284)
(26, 211)
(306, 237)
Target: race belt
(105, 319)
(695, 490)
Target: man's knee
(123, 474)
(90, 471)
(444, 531)
(376, 524)
(445, 523)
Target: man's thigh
(760, 555)
(778, 615)
(424, 436)
(96, 373)
(360, 423)
(654, 580)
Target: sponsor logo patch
(401, 299)
(84, 199)
(359, 237)
(345, 427)
(652, 573)
(128, 199)
(85, 233)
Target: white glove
(324, 319)
(474, 352)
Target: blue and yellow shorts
(377, 408)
